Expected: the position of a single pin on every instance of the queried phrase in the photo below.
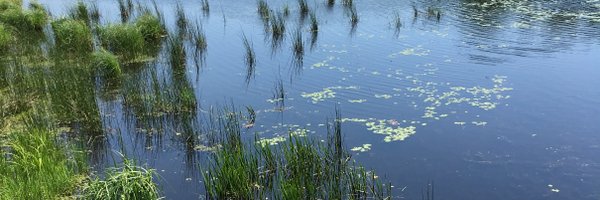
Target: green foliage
(33, 19)
(80, 12)
(150, 26)
(5, 36)
(301, 168)
(34, 165)
(72, 35)
(124, 40)
(107, 63)
(127, 182)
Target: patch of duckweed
(383, 96)
(327, 93)
(392, 132)
(417, 51)
(299, 132)
(363, 148)
(479, 123)
(205, 148)
(357, 100)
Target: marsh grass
(298, 44)
(127, 182)
(80, 12)
(72, 35)
(353, 16)
(200, 44)
(94, 13)
(106, 63)
(125, 9)
(277, 29)
(279, 95)
(35, 165)
(6, 36)
(124, 40)
(286, 10)
(150, 26)
(177, 53)
(299, 168)
(32, 19)
(263, 9)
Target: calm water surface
(493, 100)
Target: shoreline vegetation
(54, 68)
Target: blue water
(539, 140)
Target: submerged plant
(128, 182)
(150, 26)
(72, 35)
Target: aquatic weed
(107, 63)
(72, 35)
(150, 26)
(125, 40)
(127, 182)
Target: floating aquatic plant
(393, 133)
(363, 148)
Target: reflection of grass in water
(263, 9)
(250, 59)
(303, 7)
(127, 182)
(299, 168)
(205, 6)
(277, 28)
(279, 95)
(314, 23)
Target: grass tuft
(72, 35)
(150, 26)
(124, 40)
(127, 182)
(314, 23)
(80, 12)
(33, 19)
(263, 9)
(303, 5)
(107, 63)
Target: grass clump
(125, 40)
(150, 26)
(33, 19)
(297, 168)
(72, 35)
(128, 182)
(107, 63)
(34, 165)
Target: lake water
(486, 99)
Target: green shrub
(127, 182)
(72, 35)
(150, 26)
(107, 63)
(9, 4)
(125, 40)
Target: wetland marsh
(291, 99)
